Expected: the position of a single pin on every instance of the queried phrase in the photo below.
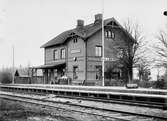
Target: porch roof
(49, 66)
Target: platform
(98, 88)
(147, 97)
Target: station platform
(139, 96)
(97, 88)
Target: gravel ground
(16, 111)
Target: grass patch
(12, 111)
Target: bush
(5, 77)
(160, 84)
(114, 82)
(145, 84)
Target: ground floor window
(75, 69)
(113, 73)
(55, 74)
(98, 72)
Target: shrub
(145, 84)
(5, 77)
(160, 84)
(114, 82)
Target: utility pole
(103, 84)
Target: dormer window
(109, 34)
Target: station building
(77, 53)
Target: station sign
(75, 51)
(109, 59)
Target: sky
(28, 24)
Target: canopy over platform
(50, 66)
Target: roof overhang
(50, 66)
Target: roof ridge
(85, 32)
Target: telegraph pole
(13, 63)
(103, 84)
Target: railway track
(77, 107)
(118, 101)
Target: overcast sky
(27, 24)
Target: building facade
(77, 53)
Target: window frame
(76, 68)
(98, 53)
(55, 50)
(63, 56)
(75, 40)
(109, 34)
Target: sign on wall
(75, 51)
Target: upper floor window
(55, 54)
(75, 40)
(109, 34)
(98, 50)
(112, 35)
(63, 53)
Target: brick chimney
(80, 23)
(98, 18)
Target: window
(63, 53)
(112, 35)
(75, 40)
(98, 51)
(55, 54)
(109, 34)
(75, 69)
(106, 33)
(98, 72)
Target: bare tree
(161, 49)
(134, 50)
(144, 70)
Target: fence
(29, 80)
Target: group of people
(62, 80)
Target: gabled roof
(85, 32)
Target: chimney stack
(98, 18)
(80, 23)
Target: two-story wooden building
(77, 53)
